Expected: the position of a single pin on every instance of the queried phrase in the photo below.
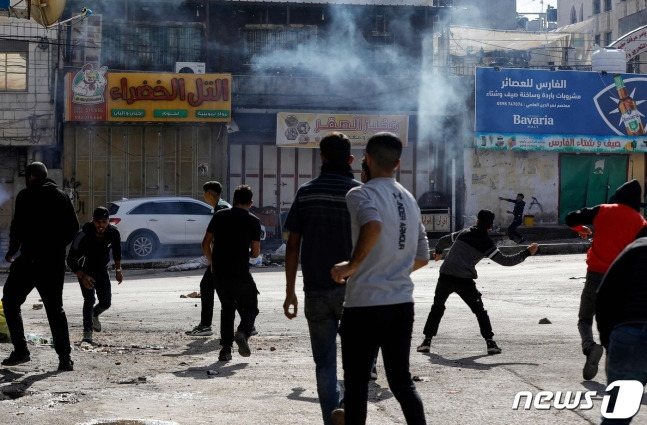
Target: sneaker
(254, 331)
(87, 337)
(492, 348)
(243, 347)
(593, 357)
(338, 417)
(65, 364)
(425, 346)
(225, 354)
(374, 373)
(16, 359)
(200, 331)
(96, 324)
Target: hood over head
(629, 194)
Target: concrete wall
(27, 118)
(490, 174)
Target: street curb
(544, 249)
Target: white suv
(147, 223)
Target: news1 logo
(627, 396)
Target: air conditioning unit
(189, 67)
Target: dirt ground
(143, 369)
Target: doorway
(589, 180)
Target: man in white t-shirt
(389, 242)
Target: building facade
(364, 63)
(609, 20)
(28, 130)
(293, 71)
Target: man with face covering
(320, 233)
(616, 226)
(458, 271)
(88, 259)
(41, 263)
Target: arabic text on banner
(305, 130)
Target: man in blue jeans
(88, 258)
(319, 226)
(621, 314)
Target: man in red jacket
(616, 226)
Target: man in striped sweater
(320, 230)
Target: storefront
(142, 134)
(566, 139)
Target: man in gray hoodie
(457, 274)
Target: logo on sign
(607, 103)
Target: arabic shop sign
(573, 111)
(93, 94)
(305, 130)
(633, 43)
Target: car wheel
(142, 245)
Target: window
(607, 5)
(146, 208)
(597, 39)
(608, 38)
(596, 6)
(112, 208)
(193, 208)
(266, 40)
(167, 208)
(573, 16)
(148, 47)
(13, 66)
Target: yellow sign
(305, 130)
(93, 94)
(169, 97)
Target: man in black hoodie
(41, 263)
(621, 314)
(517, 213)
(88, 259)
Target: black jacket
(44, 223)
(517, 211)
(622, 295)
(92, 255)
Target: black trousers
(101, 290)
(47, 276)
(236, 294)
(512, 229)
(207, 295)
(362, 331)
(466, 289)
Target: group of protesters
(340, 231)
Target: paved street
(144, 368)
